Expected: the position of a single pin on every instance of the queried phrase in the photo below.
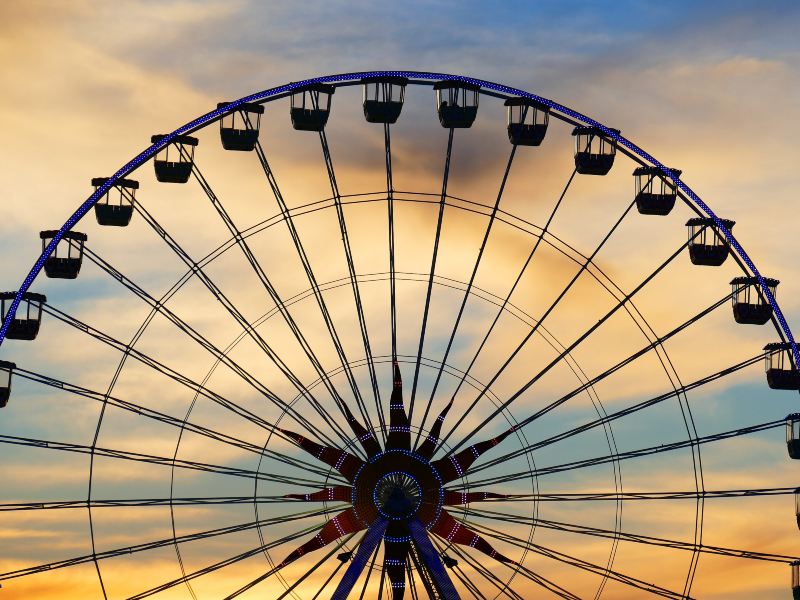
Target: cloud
(84, 87)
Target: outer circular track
(487, 87)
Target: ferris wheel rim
(428, 78)
(353, 79)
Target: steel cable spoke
(387, 142)
(757, 359)
(465, 298)
(191, 537)
(157, 460)
(297, 581)
(590, 462)
(221, 356)
(222, 564)
(128, 350)
(276, 298)
(306, 263)
(507, 299)
(486, 573)
(196, 269)
(580, 564)
(362, 322)
(572, 346)
(176, 422)
(143, 502)
(423, 328)
(328, 580)
(627, 537)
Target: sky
(712, 88)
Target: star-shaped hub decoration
(398, 496)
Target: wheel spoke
(487, 574)
(581, 564)
(599, 460)
(387, 142)
(511, 291)
(142, 502)
(157, 460)
(465, 298)
(128, 350)
(200, 535)
(627, 537)
(571, 347)
(276, 298)
(608, 418)
(423, 328)
(222, 564)
(134, 408)
(297, 581)
(301, 253)
(362, 322)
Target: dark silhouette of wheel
(396, 392)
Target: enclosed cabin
(174, 162)
(707, 245)
(311, 106)
(793, 435)
(594, 151)
(6, 368)
(750, 304)
(456, 103)
(797, 506)
(239, 128)
(65, 260)
(115, 208)
(781, 367)
(655, 193)
(26, 321)
(526, 121)
(796, 580)
(383, 98)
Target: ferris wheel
(398, 358)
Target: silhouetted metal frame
(415, 78)
(491, 89)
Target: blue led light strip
(432, 560)
(345, 77)
(367, 546)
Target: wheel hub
(398, 485)
(397, 495)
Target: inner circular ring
(397, 495)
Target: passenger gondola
(707, 245)
(456, 103)
(781, 368)
(181, 151)
(750, 305)
(311, 106)
(239, 128)
(526, 121)
(27, 319)
(115, 208)
(65, 261)
(6, 369)
(383, 98)
(655, 193)
(594, 151)
(793, 435)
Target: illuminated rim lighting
(272, 93)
